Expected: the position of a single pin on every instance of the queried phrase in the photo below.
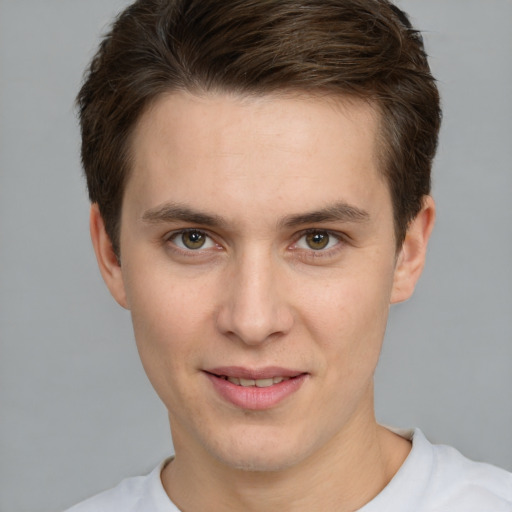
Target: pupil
(317, 240)
(193, 239)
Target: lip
(255, 398)
(254, 373)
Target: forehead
(251, 152)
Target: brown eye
(193, 239)
(318, 240)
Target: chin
(262, 462)
(262, 455)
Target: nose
(254, 308)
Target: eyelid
(170, 237)
(340, 237)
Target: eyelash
(305, 253)
(170, 242)
(321, 253)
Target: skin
(257, 295)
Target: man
(259, 173)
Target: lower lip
(254, 398)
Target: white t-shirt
(433, 478)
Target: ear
(411, 259)
(108, 263)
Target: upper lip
(267, 372)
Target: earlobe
(107, 260)
(411, 259)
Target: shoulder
(122, 497)
(457, 483)
(438, 478)
(137, 494)
(470, 484)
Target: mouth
(255, 389)
(258, 383)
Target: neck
(345, 474)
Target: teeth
(259, 383)
(264, 383)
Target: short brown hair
(361, 48)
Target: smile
(255, 389)
(259, 383)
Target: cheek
(164, 303)
(169, 322)
(348, 319)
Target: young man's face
(258, 261)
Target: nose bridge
(255, 308)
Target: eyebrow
(337, 212)
(172, 212)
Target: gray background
(77, 413)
